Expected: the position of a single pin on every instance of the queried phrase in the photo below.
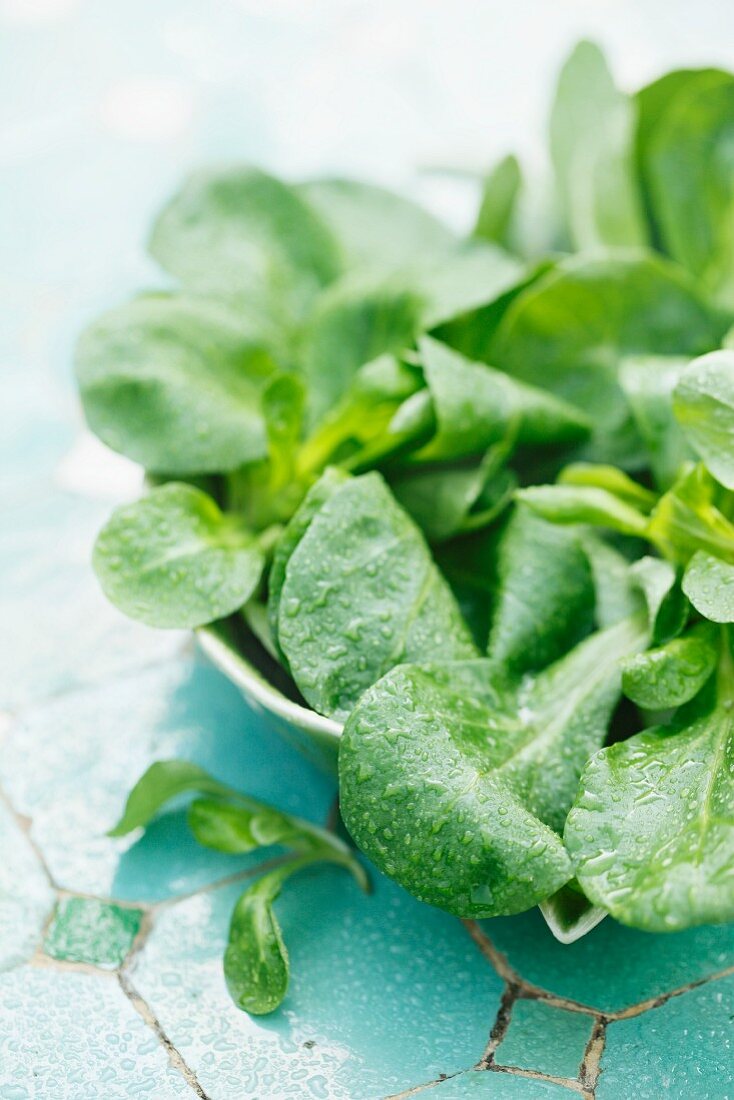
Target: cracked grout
(501, 1024)
(146, 1013)
(590, 1067)
(25, 824)
(531, 992)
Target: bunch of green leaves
(474, 495)
(256, 965)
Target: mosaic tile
(72, 1036)
(91, 931)
(636, 965)
(545, 1038)
(25, 895)
(384, 993)
(683, 1050)
(64, 632)
(89, 747)
(497, 1086)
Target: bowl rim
(246, 677)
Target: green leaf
(610, 478)
(500, 191)
(708, 582)
(472, 276)
(616, 594)
(686, 519)
(473, 332)
(569, 331)
(666, 609)
(352, 324)
(378, 230)
(222, 826)
(284, 405)
(256, 964)
(672, 674)
(653, 104)
(163, 781)
(591, 134)
(240, 232)
(652, 830)
(703, 402)
(648, 382)
(583, 504)
(395, 243)
(448, 501)
(475, 406)
(689, 175)
(453, 783)
(175, 383)
(172, 559)
(312, 503)
(360, 423)
(545, 597)
(362, 594)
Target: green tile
(90, 931)
(495, 1085)
(385, 993)
(545, 1038)
(681, 1050)
(613, 967)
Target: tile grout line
(500, 1025)
(590, 1068)
(146, 1013)
(25, 824)
(530, 991)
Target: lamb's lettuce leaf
(592, 128)
(708, 582)
(703, 402)
(175, 383)
(652, 830)
(238, 232)
(570, 331)
(446, 501)
(688, 168)
(361, 594)
(476, 406)
(352, 324)
(648, 382)
(671, 674)
(500, 191)
(545, 596)
(456, 782)
(173, 559)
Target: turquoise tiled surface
(545, 1038)
(105, 106)
(637, 966)
(497, 1086)
(681, 1050)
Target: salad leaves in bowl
(456, 514)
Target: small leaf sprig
(256, 963)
